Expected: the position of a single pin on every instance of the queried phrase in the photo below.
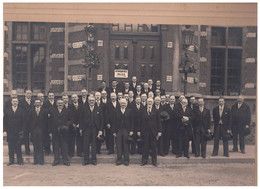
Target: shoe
(203, 157)
(85, 163)
(55, 163)
(214, 154)
(235, 150)
(79, 155)
(143, 163)
(110, 152)
(154, 164)
(187, 156)
(10, 163)
(94, 162)
(20, 163)
(41, 163)
(226, 155)
(47, 152)
(66, 163)
(161, 154)
(243, 151)
(126, 163)
(118, 162)
(179, 155)
(35, 163)
(196, 155)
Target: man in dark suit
(201, 128)
(158, 87)
(151, 129)
(60, 120)
(145, 89)
(84, 97)
(102, 108)
(144, 99)
(66, 102)
(74, 136)
(126, 88)
(104, 87)
(13, 94)
(171, 133)
(194, 106)
(222, 126)
(14, 123)
(131, 101)
(133, 84)
(138, 91)
(49, 105)
(91, 127)
(150, 85)
(38, 122)
(136, 109)
(40, 96)
(114, 88)
(122, 129)
(184, 130)
(112, 107)
(241, 118)
(27, 104)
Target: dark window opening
(154, 28)
(117, 52)
(38, 32)
(128, 27)
(115, 27)
(20, 32)
(235, 36)
(125, 52)
(218, 37)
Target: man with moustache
(84, 97)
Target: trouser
(160, 142)
(109, 140)
(60, 145)
(149, 141)
(26, 137)
(46, 140)
(89, 138)
(14, 146)
(133, 145)
(183, 141)
(167, 138)
(241, 136)
(122, 144)
(140, 147)
(75, 138)
(220, 132)
(37, 136)
(200, 143)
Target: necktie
(37, 111)
(239, 105)
(201, 109)
(91, 108)
(149, 111)
(220, 110)
(59, 110)
(123, 110)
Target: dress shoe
(214, 154)
(187, 156)
(10, 163)
(196, 155)
(41, 163)
(154, 164)
(20, 163)
(55, 163)
(161, 154)
(94, 162)
(66, 163)
(110, 152)
(85, 163)
(126, 163)
(179, 155)
(203, 157)
(243, 151)
(35, 163)
(118, 162)
(143, 163)
(47, 152)
(79, 155)
(226, 155)
(235, 150)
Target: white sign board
(100, 43)
(203, 59)
(249, 85)
(202, 84)
(76, 77)
(169, 45)
(59, 29)
(57, 82)
(250, 60)
(190, 79)
(251, 35)
(121, 73)
(99, 77)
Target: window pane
(38, 31)
(218, 37)
(217, 71)
(235, 36)
(125, 52)
(117, 52)
(234, 70)
(20, 31)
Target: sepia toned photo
(129, 102)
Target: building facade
(52, 56)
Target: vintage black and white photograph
(128, 102)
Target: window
(235, 36)
(38, 67)
(140, 27)
(117, 52)
(152, 52)
(128, 27)
(20, 70)
(38, 32)
(154, 28)
(218, 37)
(20, 32)
(234, 70)
(125, 51)
(143, 52)
(217, 70)
(226, 61)
(115, 27)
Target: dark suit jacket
(111, 112)
(173, 121)
(161, 90)
(241, 116)
(76, 113)
(123, 120)
(152, 121)
(59, 119)
(81, 101)
(27, 108)
(38, 122)
(132, 88)
(8, 104)
(14, 122)
(137, 116)
(131, 104)
(179, 114)
(111, 90)
(47, 105)
(226, 117)
(86, 116)
(201, 119)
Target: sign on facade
(249, 85)
(202, 84)
(99, 77)
(76, 77)
(100, 43)
(203, 33)
(79, 44)
(59, 29)
(57, 56)
(250, 60)
(203, 59)
(251, 35)
(57, 82)
(169, 78)
(121, 73)
(190, 79)
(169, 45)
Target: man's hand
(138, 134)
(114, 134)
(80, 132)
(131, 133)
(99, 133)
(108, 126)
(5, 134)
(247, 126)
(228, 131)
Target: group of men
(131, 118)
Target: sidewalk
(234, 157)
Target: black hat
(228, 136)
(164, 116)
(101, 138)
(208, 136)
(247, 131)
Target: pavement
(103, 158)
